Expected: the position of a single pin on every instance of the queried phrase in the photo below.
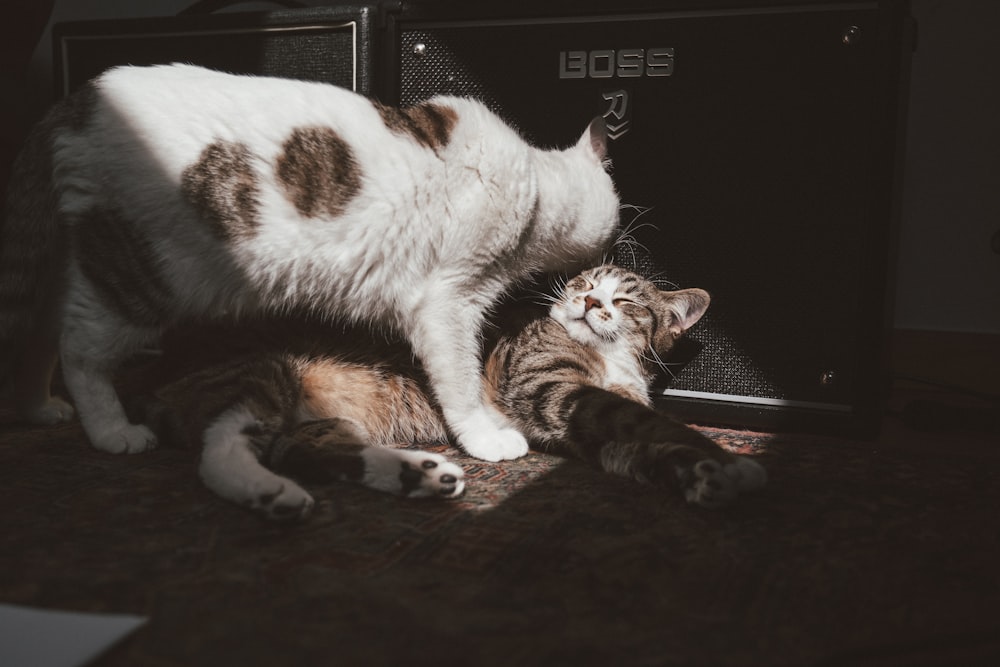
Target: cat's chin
(581, 331)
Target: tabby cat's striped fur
(575, 382)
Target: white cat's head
(578, 203)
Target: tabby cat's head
(609, 308)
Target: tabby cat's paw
(709, 486)
(413, 474)
(747, 473)
(54, 411)
(712, 484)
(281, 499)
(129, 439)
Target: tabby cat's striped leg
(230, 466)
(334, 450)
(705, 478)
(630, 439)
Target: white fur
(382, 468)
(231, 469)
(425, 248)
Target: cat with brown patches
(288, 405)
(169, 194)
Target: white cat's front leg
(480, 436)
(91, 351)
(446, 339)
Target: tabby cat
(173, 193)
(575, 381)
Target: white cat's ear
(686, 307)
(595, 139)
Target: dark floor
(877, 552)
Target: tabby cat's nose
(590, 302)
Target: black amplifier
(757, 145)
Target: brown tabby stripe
(123, 267)
(318, 171)
(29, 228)
(222, 186)
(32, 251)
(429, 124)
(554, 402)
(77, 109)
(268, 386)
(311, 452)
(623, 437)
(600, 417)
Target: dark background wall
(948, 277)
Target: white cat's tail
(32, 265)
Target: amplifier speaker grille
(328, 44)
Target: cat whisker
(656, 359)
(557, 285)
(543, 295)
(626, 239)
(640, 211)
(539, 298)
(658, 280)
(635, 224)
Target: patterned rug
(857, 553)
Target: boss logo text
(609, 63)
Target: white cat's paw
(414, 474)
(494, 444)
(129, 439)
(280, 499)
(746, 473)
(54, 411)
(709, 485)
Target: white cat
(164, 194)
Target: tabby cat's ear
(595, 139)
(678, 311)
(686, 307)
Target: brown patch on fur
(429, 124)
(222, 186)
(331, 388)
(386, 402)
(318, 171)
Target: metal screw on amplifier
(828, 378)
(851, 35)
(419, 49)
